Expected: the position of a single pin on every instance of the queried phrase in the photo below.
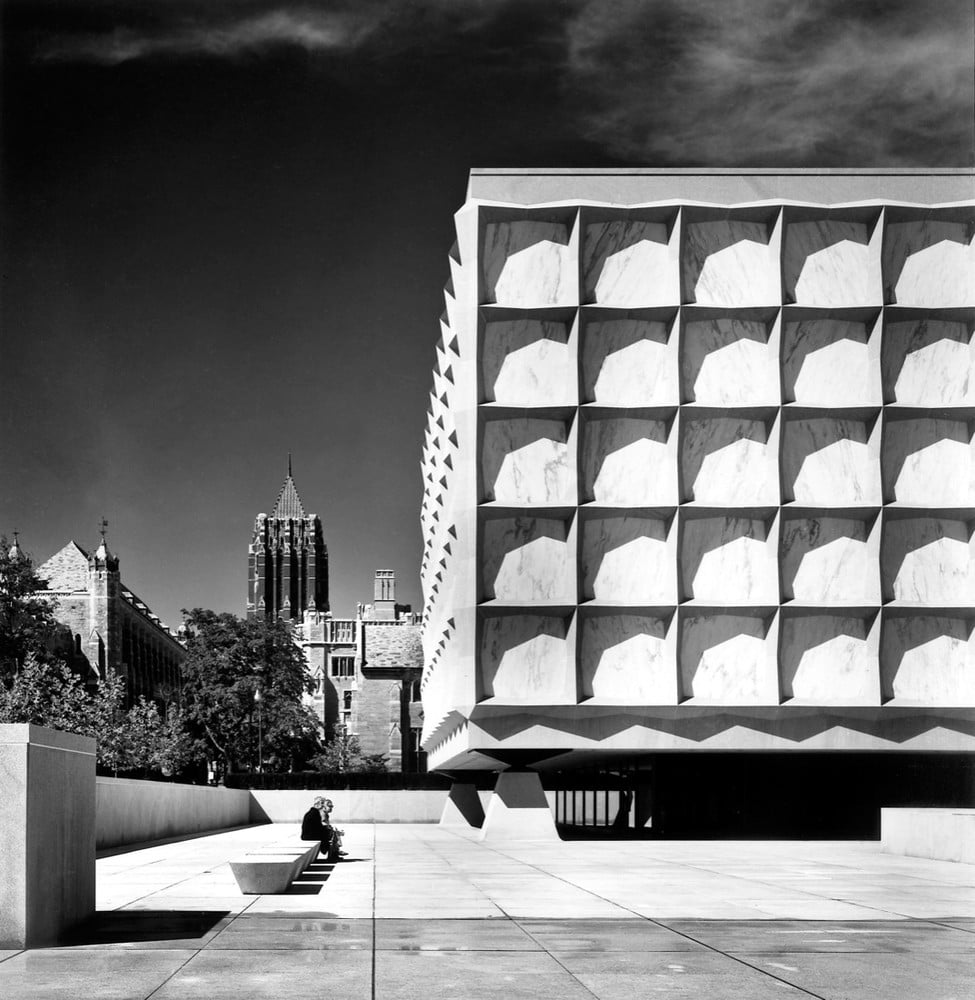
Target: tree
(344, 755)
(27, 622)
(228, 660)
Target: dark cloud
(823, 82)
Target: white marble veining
(528, 559)
(528, 461)
(929, 660)
(628, 263)
(528, 263)
(528, 363)
(830, 263)
(626, 560)
(731, 263)
(828, 559)
(723, 659)
(727, 560)
(933, 461)
(727, 362)
(624, 658)
(628, 363)
(625, 461)
(525, 658)
(930, 263)
(726, 461)
(827, 660)
(933, 363)
(829, 461)
(928, 560)
(826, 362)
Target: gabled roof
(288, 504)
(67, 569)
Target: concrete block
(519, 809)
(939, 834)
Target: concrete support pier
(518, 809)
(463, 806)
(47, 828)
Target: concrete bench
(272, 869)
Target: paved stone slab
(593, 936)
(453, 935)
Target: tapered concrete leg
(463, 806)
(518, 809)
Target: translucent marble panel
(528, 559)
(727, 461)
(528, 362)
(628, 362)
(525, 658)
(929, 363)
(727, 560)
(528, 461)
(626, 560)
(827, 461)
(828, 660)
(828, 559)
(826, 362)
(727, 362)
(628, 263)
(928, 660)
(625, 462)
(723, 659)
(930, 263)
(929, 462)
(528, 263)
(624, 658)
(730, 263)
(927, 560)
(829, 263)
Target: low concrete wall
(351, 805)
(131, 812)
(47, 829)
(940, 834)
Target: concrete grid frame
(698, 469)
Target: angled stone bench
(271, 869)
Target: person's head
(328, 805)
(318, 803)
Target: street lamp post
(258, 699)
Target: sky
(224, 228)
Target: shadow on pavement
(118, 926)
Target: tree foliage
(344, 755)
(27, 623)
(228, 660)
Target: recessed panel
(728, 461)
(728, 362)
(728, 560)
(528, 559)
(528, 263)
(928, 660)
(829, 559)
(730, 262)
(528, 362)
(625, 659)
(830, 262)
(927, 560)
(930, 262)
(829, 461)
(626, 461)
(528, 461)
(929, 462)
(725, 659)
(527, 659)
(627, 560)
(827, 362)
(628, 262)
(828, 660)
(929, 362)
(628, 362)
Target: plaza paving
(427, 912)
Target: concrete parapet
(939, 834)
(47, 827)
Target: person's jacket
(312, 827)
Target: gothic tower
(287, 561)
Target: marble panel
(528, 461)
(727, 362)
(625, 462)
(726, 460)
(528, 559)
(727, 560)
(730, 262)
(528, 263)
(829, 262)
(628, 362)
(828, 559)
(828, 660)
(929, 363)
(929, 462)
(629, 263)
(527, 362)
(928, 660)
(930, 263)
(928, 560)
(525, 658)
(826, 362)
(624, 658)
(828, 461)
(723, 659)
(627, 560)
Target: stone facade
(109, 629)
(699, 468)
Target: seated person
(327, 808)
(313, 827)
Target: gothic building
(288, 560)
